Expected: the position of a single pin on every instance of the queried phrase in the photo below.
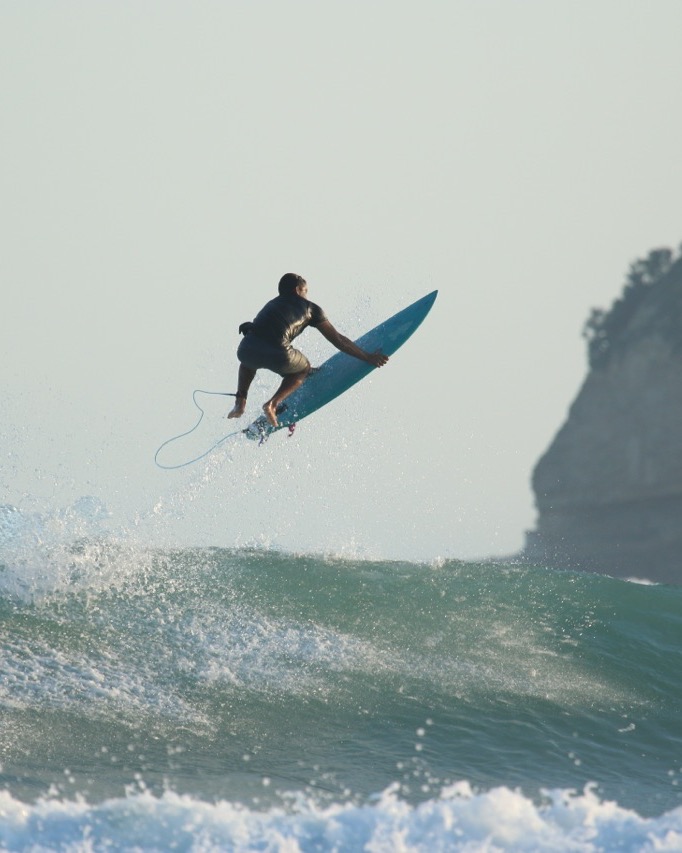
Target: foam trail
(458, 820)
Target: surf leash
(190, 431)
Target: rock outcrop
(609, 489)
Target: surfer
(267, 344)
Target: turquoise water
(241, 699)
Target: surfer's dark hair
(289, 282)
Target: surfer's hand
(378, 359)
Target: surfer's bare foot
(239, 408)
(270, 414)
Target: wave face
(255, 698)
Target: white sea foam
(459, 820)
(243, 647)
(96, 685)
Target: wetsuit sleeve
(317, 315)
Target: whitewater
(200, 699)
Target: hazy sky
(163, 163)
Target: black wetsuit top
(267, 341)
(285, 317)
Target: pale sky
(164, 163)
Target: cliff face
(609, 488)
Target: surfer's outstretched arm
(341, 342)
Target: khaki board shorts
(256, 353)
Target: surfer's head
(290, 283)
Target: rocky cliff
(609, 489)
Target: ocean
(207, 699)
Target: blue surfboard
(341, 371)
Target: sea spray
(457, 820)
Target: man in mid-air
(267, 343)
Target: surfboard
(341, 371)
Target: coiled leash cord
(189, 431)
